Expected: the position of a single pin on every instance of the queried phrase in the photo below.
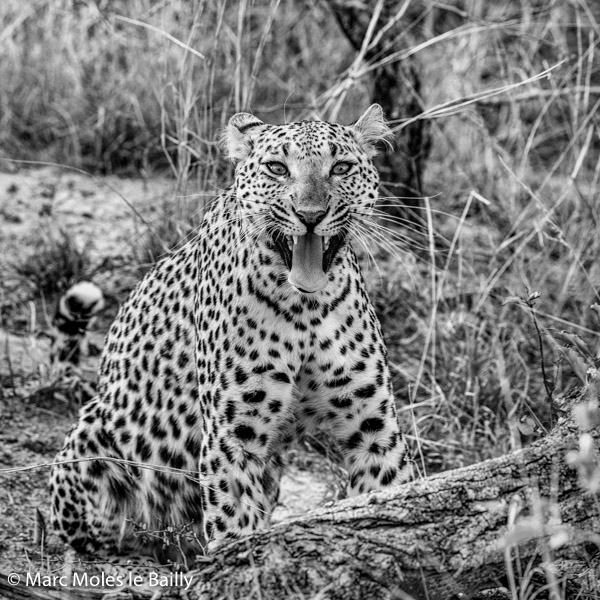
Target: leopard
(256, 332)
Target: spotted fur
(218, 359)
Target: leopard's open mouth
(308, 258)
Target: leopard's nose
(310, 215)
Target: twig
(9, 362)
(540, 93)
(161, 32)
(530, 302)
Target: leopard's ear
(238, 137)
(372, 130)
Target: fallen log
(447, 536)
(452, 535)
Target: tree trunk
(396, 87)
(442, 537)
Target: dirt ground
(107, 215)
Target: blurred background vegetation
(495, 110)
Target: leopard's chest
(253, 309)
(253, 328)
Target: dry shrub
(55, 262)
(116, 85)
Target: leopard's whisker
(381, 241)
(195, 235)
(377, 213)
(264, 228)
(381, 205)
(355, 231)
(376, 222)
(402, 240)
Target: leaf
(572, 339)
(526, 425)
(512, 300)
(39, 528)
(575, 361)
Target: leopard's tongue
(307, 264)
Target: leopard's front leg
(346, 389)
(239, 465)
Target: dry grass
(512, 177)
(55, 262)
(137, 85)
(521, 168)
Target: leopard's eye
(341, 168)
(277, 168)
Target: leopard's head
(304, 184)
